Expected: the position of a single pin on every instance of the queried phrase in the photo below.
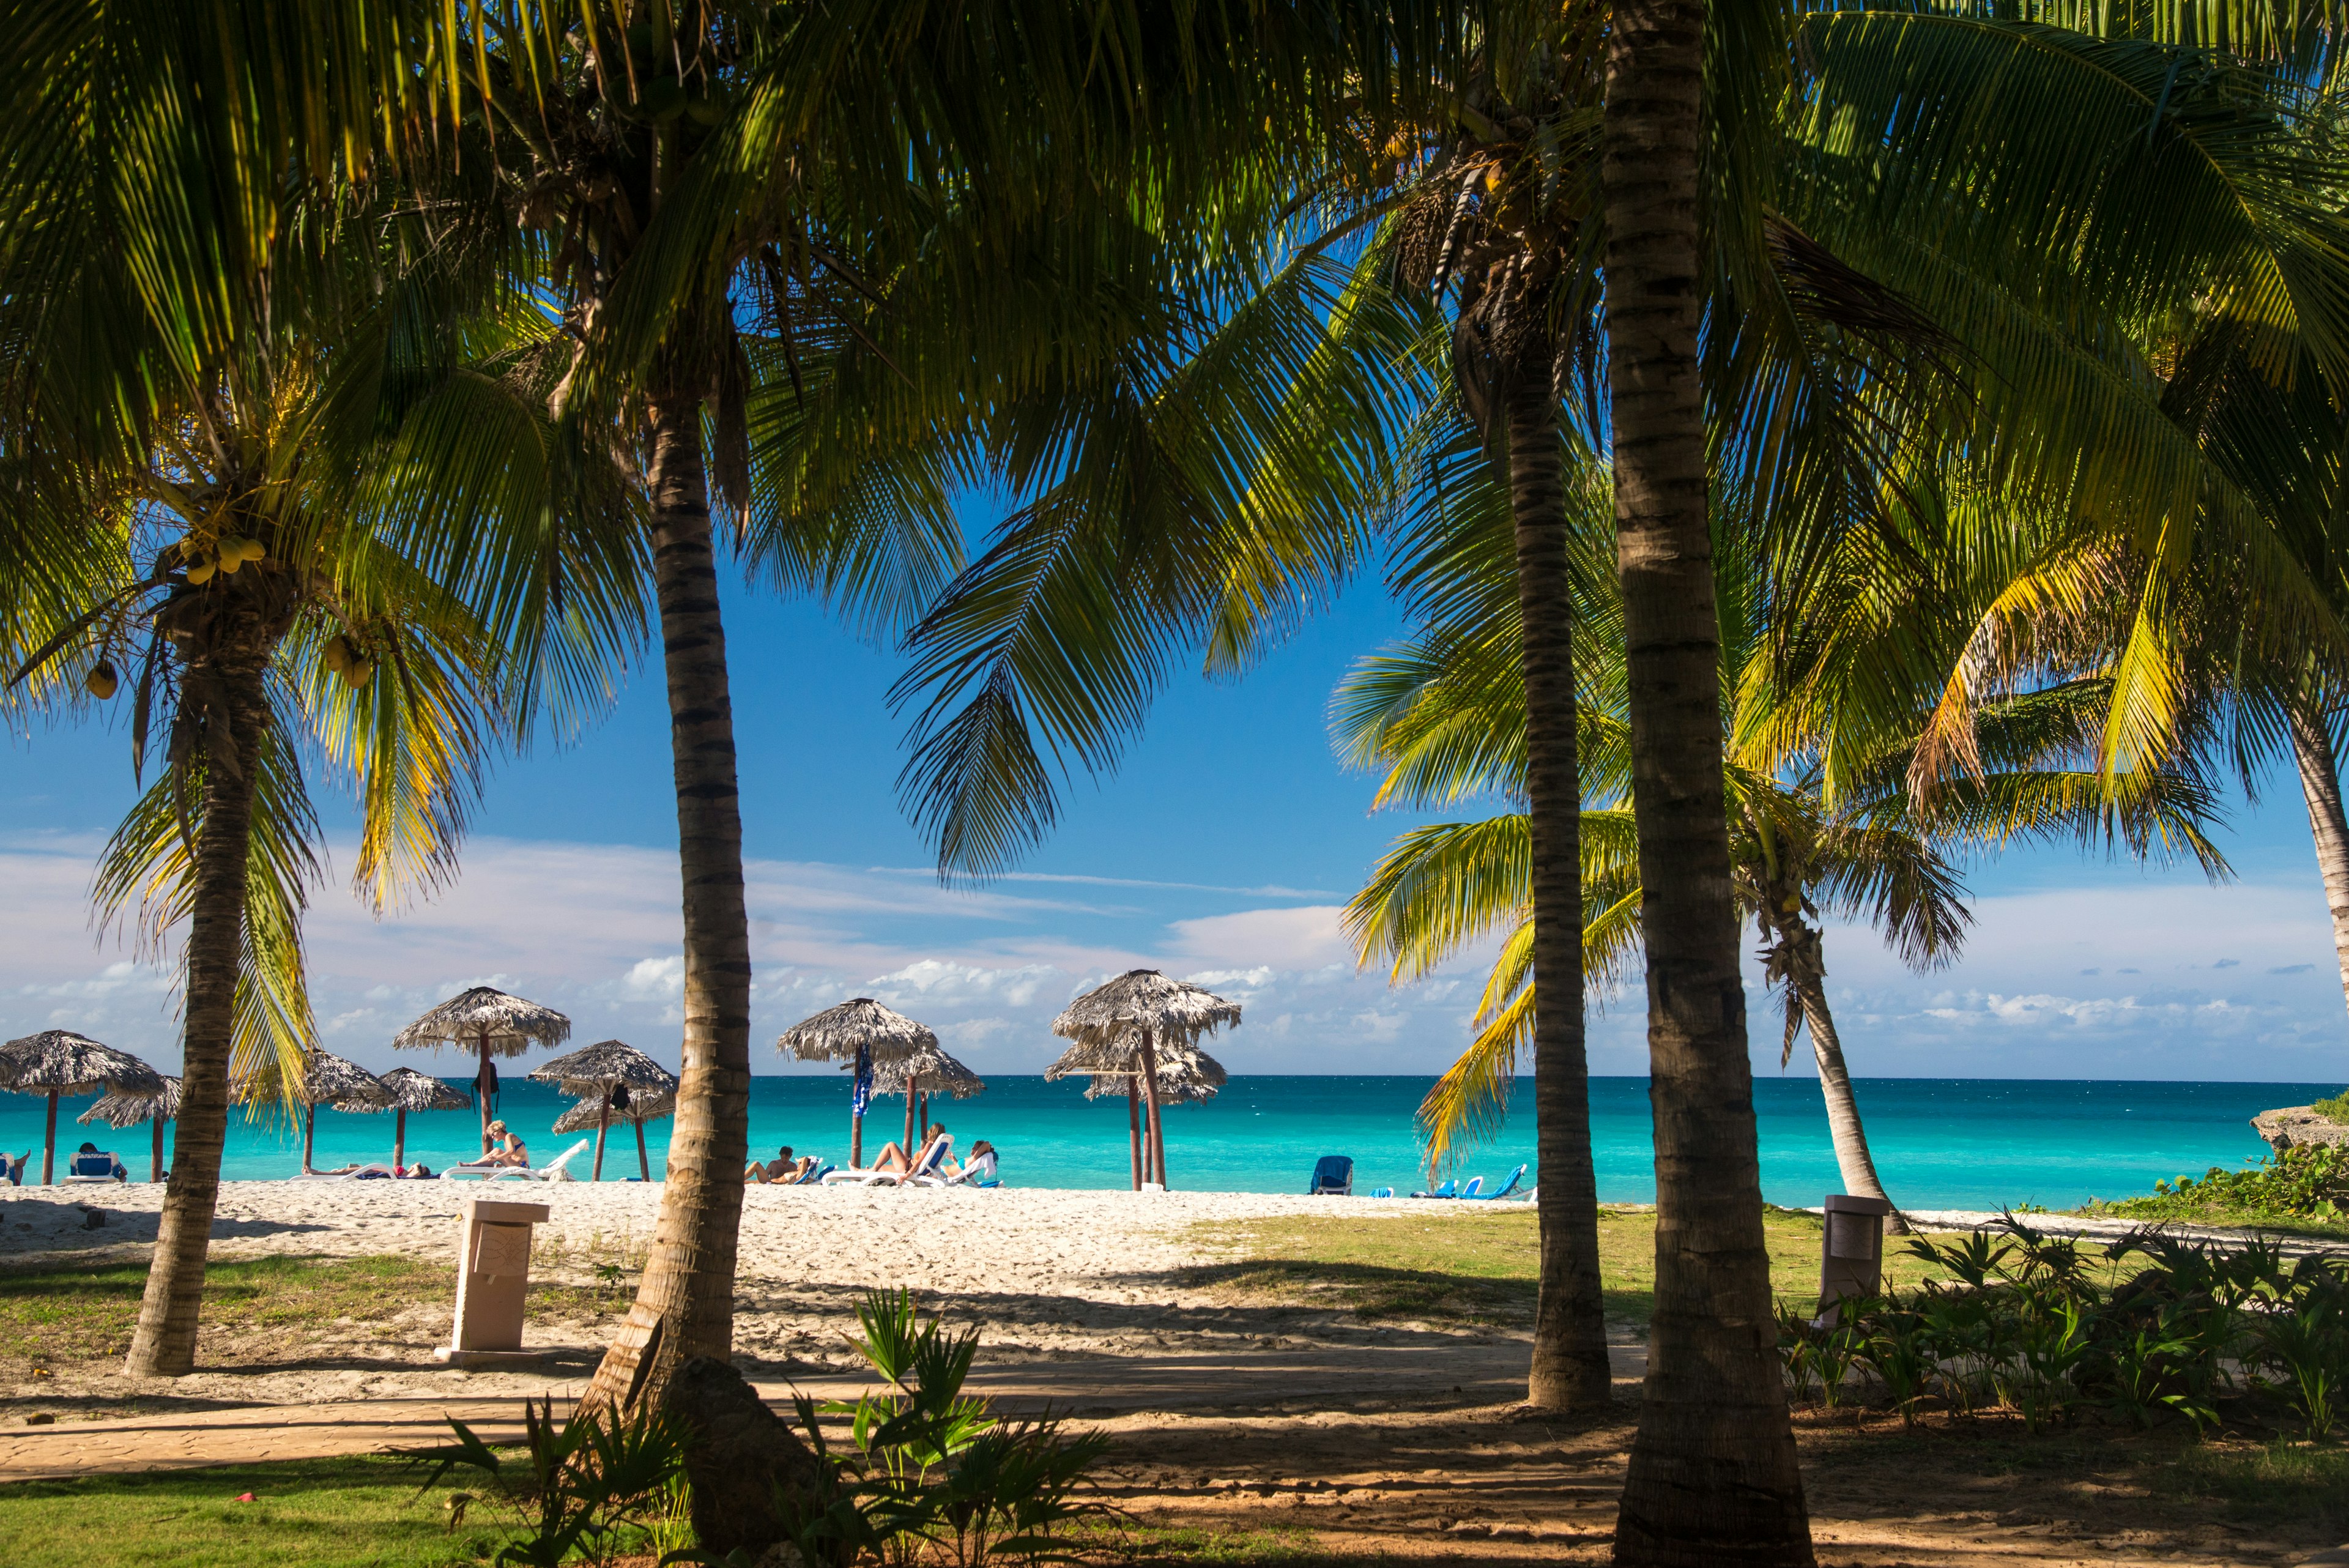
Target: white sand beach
(1045, 1274)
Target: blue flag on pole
(861, 1094)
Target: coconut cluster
(234, 551)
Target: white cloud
(1306, 936)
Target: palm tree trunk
(1712, 1479)
(685, 1303)
(2319, 783)
(1852, 1158)
(155, 1169)
(1569, 1356)
(164, 1344)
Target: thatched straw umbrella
(405, 1089)
(860, 1031)
(1129, 1022)
(326, 1080)
(59, 1062)
(122, 1111)
(597, 1112)
(1187, 1077)
(920, 1075)
(493, 1024)
(614, 1072)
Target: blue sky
(1220, 851)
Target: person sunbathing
(13, 1169)
(515, 1151)
(894, 1160)
(782, 1168)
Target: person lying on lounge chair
(13, 1169)
(894, 1160)
(94, 1164)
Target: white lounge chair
(551, 1172)
(979, 1172)
(920, 1175)
(356, 1173)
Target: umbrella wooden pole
(1157, 1112)
(644, 1160)
(926, 1116)
(49, 1143)
(155, 1172)
(912, 1092)
(310, 1132)
(856, 1140)
(1133, 1130)
(603, 1121)
(399, 1139)
(482, 1089)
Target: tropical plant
(253, 481)
(932, 1473)
(594, 1486)
(1442, 719)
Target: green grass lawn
(1476, 1267)
(313, 1513)
(81, 1313)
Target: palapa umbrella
(918, 1076)
(859, 1032)
(404, 1090)
(1128, 1023)
(492, 1023)
(597, 1111)
(123, 1111)
(1186, 1075)
(614, 1072)
(59, 1062)
(326, 1080)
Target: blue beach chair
(1333, 1175)
(1383, 1192)
(1515, 1177)
(1476, 1186)
(1450, 1189)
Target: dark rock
(739, 1456)
(91, 1219)
(2298, 1126)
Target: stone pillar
(492, 1274)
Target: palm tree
(249, 528)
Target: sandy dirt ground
(1321, 1432)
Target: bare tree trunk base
(738, 1457)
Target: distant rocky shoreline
(2299, 1127)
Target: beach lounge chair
(1333, 1176)
(13, 1169)
(1510, 1186)
(100, 1165)
(1450, 1189)
(924, 1173)
(979, 1172)
(553, 1170)
(1383, 1192)
(356, 1173)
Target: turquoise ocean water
(1939, 1143)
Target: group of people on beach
(933, 1158)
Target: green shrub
(2292, 1184)
(2334, 1108)
(2173, 1329)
